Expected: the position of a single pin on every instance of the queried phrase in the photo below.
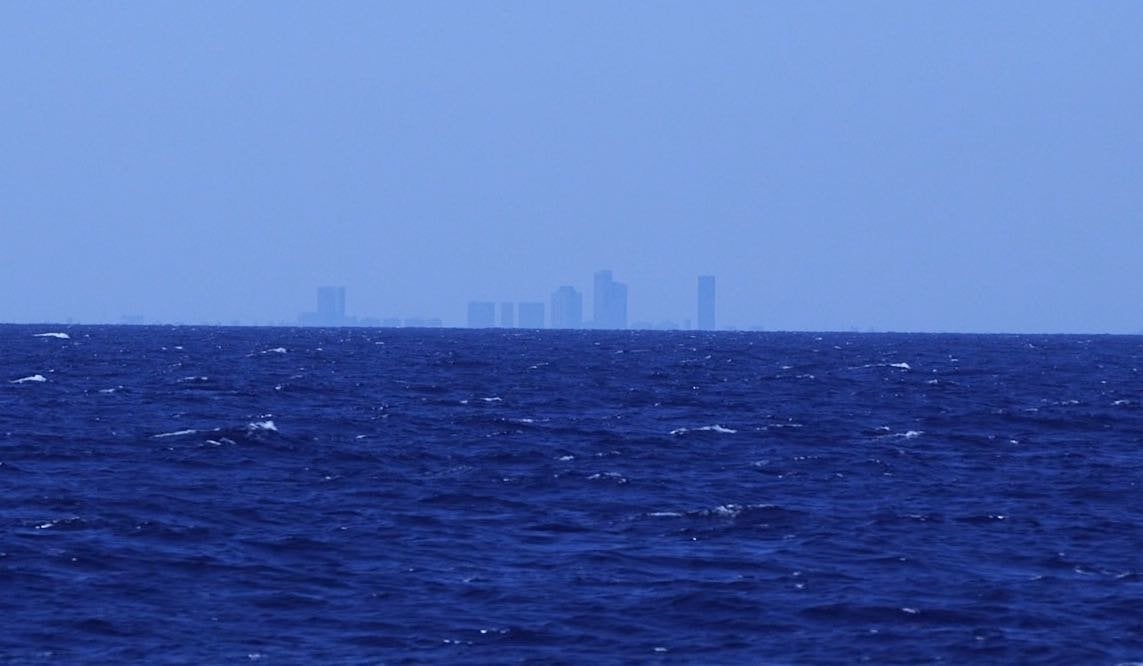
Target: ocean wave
(710, 428)
(900, 366)
(193, 379)
(176, 433)
(887, 433)
(30, 379)
(262, 426)
(840, 510)
(608, 476)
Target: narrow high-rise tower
(706, 302)
(609, 304)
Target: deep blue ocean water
(222, 495)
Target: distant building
(609, 305)
(330, 308)
(706, 302)
(507, 315)
(331, 305)
(567, 308)
(531, 315)
(481, 314)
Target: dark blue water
(387, 496)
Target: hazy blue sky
(904, 165)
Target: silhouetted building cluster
(330, 308)
(331, 312)
(608, 310)
(482, 314)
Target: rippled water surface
(389, 496)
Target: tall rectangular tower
(330, 306)
(706, 303)
(609, 304)
(567, 308)
(599, 298)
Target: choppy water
(388, 496)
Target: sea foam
(31, 379)
(176, 433)
(709, 428)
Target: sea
(202, 495)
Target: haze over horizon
(910, 166)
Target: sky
(910, 165)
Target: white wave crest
(31, 379)
(709, 428)
(61, 336)
(262, 426)
(901, 366)
(608, 476)
(733, 510)
(910, 434)
(176, 433)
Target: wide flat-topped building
(567, 308)
(481, 314)
(531, 315)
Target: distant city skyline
(892, 166)
(609, 308)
